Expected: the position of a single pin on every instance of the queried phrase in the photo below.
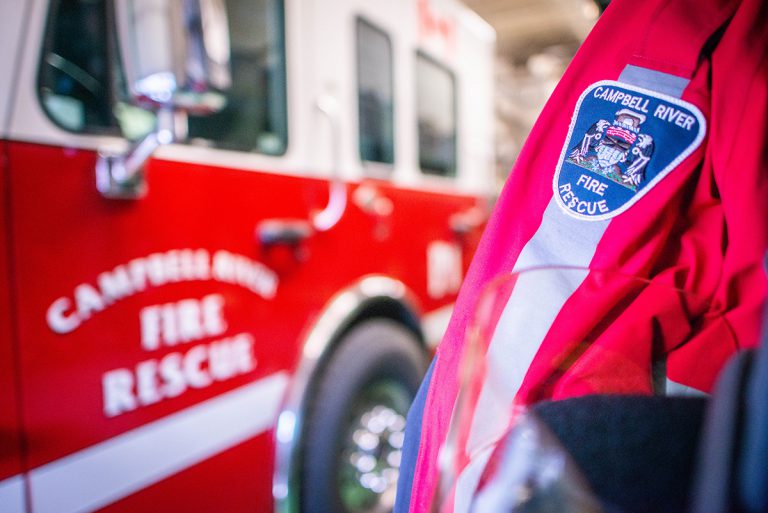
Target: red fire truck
(231, 232)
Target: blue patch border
(656, 179)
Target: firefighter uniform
(648, 160)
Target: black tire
(375, 370)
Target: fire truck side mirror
(175, 56)
(175, 53)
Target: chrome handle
(292, 232)
(329, 217)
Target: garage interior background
(536, 39)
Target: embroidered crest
(622, 141)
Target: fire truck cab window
(375, 94)
(81, 85)
(75, 86)
(255, 117)
(436, 111)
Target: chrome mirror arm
(120, 175)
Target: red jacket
(650, 160)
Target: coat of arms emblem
(617, 150)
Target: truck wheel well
(385, 308)
(379, 308)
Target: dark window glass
(74, 80)
(82, 89)
(255, 117)
(436, 114)
(375, 94)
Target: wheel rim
(370, 459)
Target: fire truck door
(154, 335)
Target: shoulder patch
(622, 141)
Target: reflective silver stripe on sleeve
(535, 302)
(12, 498)
(654, 80)
(560, 240)
(681, 390)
